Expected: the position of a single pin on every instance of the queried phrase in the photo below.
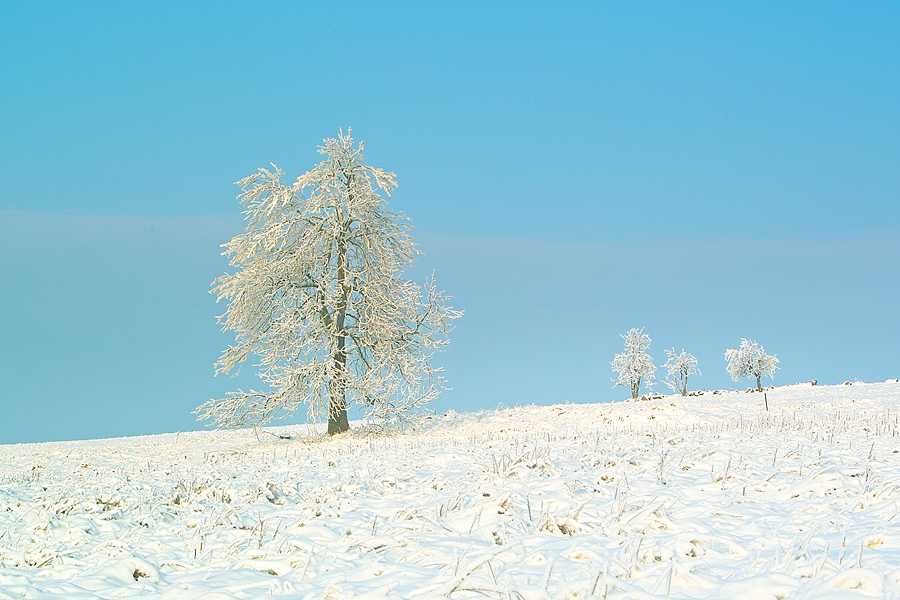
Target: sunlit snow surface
(701, 497)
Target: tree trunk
(337, 401)
(758, 384)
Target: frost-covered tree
(634, 366)
(750, 360)
(318, 296)
(679, 367)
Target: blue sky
(707, 172)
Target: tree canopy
(318, 296)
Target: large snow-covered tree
(750, 360)
(318, 296)
(679, 367)
(634, 366)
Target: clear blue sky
(706, 171)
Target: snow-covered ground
(708, 496)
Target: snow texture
(705, 496)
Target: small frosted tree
(634, 366)
(750, 360)
(318, 296)
(680, 366)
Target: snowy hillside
(707, 496)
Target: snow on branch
(749, 361)
(634, 366)
(679, 367)
(316, 293)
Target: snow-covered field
(707, 496)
